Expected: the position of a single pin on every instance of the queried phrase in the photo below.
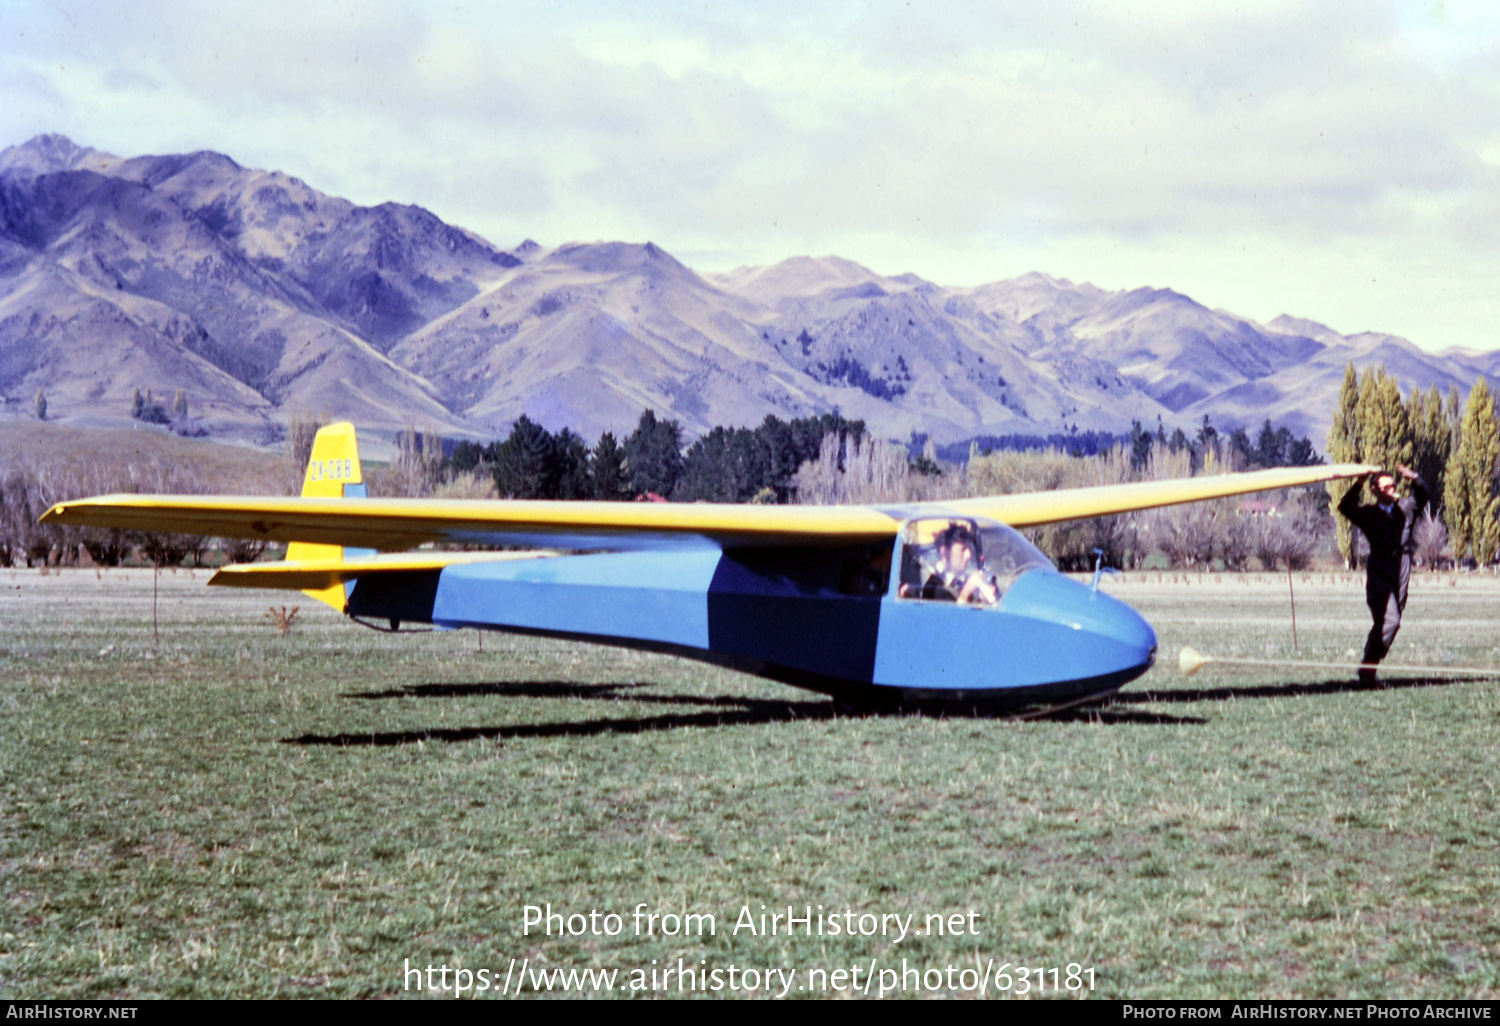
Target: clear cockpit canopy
(963, 559)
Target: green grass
(237, 813)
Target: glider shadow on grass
(553, 689)
(718, 711)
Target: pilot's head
(1385, 486)
(957, 545)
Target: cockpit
(968, 560)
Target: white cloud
(1315, 159)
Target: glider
(926, 603)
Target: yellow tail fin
(333, 472)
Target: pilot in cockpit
(959, 575)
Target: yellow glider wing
(401, 524)
(1036, 508)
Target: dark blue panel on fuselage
(814, 610)
(407, 597)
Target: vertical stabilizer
(333, 472)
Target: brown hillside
(225, 469)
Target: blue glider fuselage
(825, 618)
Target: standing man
(1387, 526)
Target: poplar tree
(1473, 511)
(1432, 438)
(1454, 412)
(1344, 447)
(1384, 434)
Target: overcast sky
(1333, 161)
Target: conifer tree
(1268, 448)
(611, 477)
(526, 465)
(1473, 511)
(571, 455)
(1140, 446)
(1344, 447)
(1206, 445)
(654, 452)
(720, 467)
(1240, 452)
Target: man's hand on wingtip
(1406, 472)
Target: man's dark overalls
(1388, 528)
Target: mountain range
(260, 297)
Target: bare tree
(1236, 534)
(165, 548)
(418, 464)
(472, 484)
(1188, 535)
(241, 550)
(301, 430)
(850, 470)
(1431, 537)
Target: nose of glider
(1112, 638)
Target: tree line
(724, 465)
(1272, 446)
(1196, 536)
(27, 490)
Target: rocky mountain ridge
(261, 297)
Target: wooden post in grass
(155, 573)
(1293, 596)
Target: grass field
(234, 812)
